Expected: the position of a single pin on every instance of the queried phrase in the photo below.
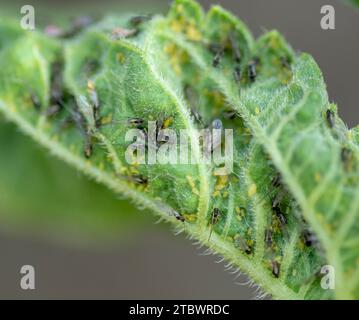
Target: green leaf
(295, 170)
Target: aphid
(252, 71)
(57, 90)
(136, 122)
(137, 20)
(197, 117)
(309, 238)
(330, 118)
(346, 157)
(94, 101)
(35, 101)
(139, 179)
(178, 216)
(237, 74)
(235, 48)
(78, 119)
(191, 98)
(88, 147)
(215, 216)
(276, 183)
(241, 244)
(217, 57)
(275, 268)
(281, 217)
(268, 237)
(52, 110)
(119, 33)
(285, 62)
(230, 114)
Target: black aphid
(237, 74)
(52, 110)
(35, 101)
(285, 62)
(346, 157)
(196, 116)
(309, 238)
(88, 146)
(218, 57)
(268, 237)
(275, 268)
(230, 114)
(252, 70)
(137, 20)
(330, 116)
(137, 122)
(215, 216)
(280, 215)
(241, 244)
(139, 179)
(192, 101)
(178, 216)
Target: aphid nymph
(230, 114)
(35, 101)
(252, 71)
(137, 20)
(138, 123)
(309, 238)
(346, 157)
(285, 62)
(330, 116)
(179, 217)
(241, 244)
(119, 33)
(237, 73)
(281, 217)
(268, 237)
(139, 179)
(275, 268)
(217, 57)
(215, 216)
(88, 147)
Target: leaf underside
(284, 128)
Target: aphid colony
(59, 101)
(218, 51)
(346, 154)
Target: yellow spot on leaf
(221, 182)
(190, 217)
(193, 185)
(121, 57)
(216, 194)
(90, 85)
(252, 190)
(317, 177)
(193, 34)
(167, 122)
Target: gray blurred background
(152, 263)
